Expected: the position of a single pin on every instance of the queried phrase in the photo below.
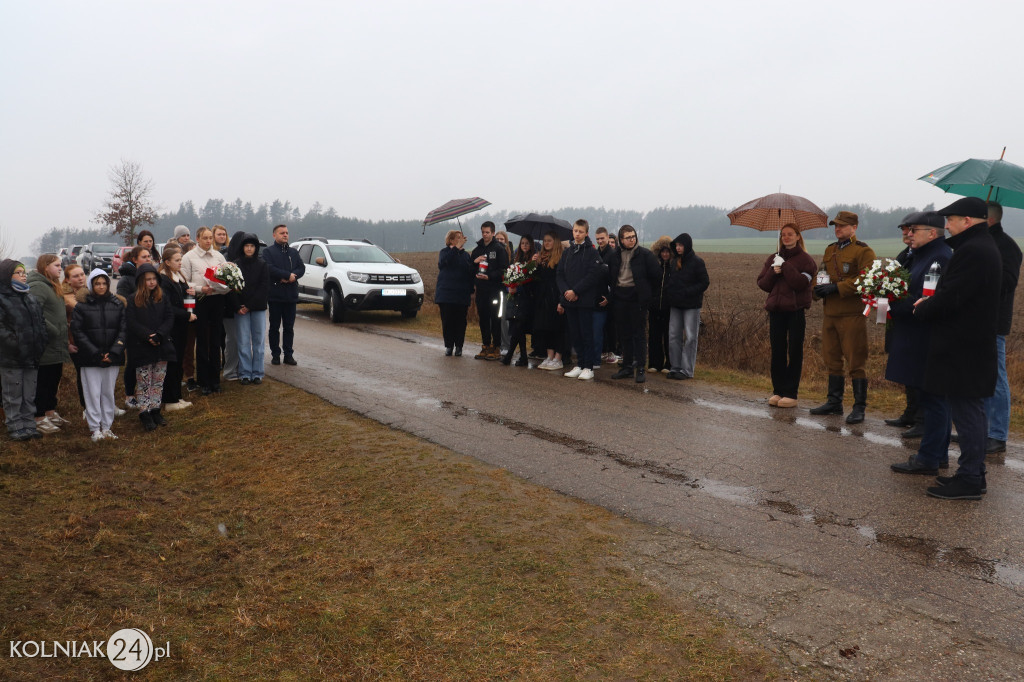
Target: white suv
(354, 274)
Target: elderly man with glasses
(909, 345)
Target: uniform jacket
(646, 273)
(580, 270)
(497, 263)
(23, 334)
(1011, 256)
(456, 273)
(909, 338)
(55, 317)
(964, 314)
(687, 276)
(98, 327)
(789, 290)
(844, 267)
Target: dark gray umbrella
(535, 226)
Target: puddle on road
(925, 551)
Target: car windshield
(359, 253)
(105, 249)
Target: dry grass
(348, 551)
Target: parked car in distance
(354, 274)
(71, 256)
(97, 255)
(118, 259)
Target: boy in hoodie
(489, 291)
(578, 275)
(23, 338)
(687, 282)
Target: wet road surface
(792, 525)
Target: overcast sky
(388, 109)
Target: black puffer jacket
(580, 271)
(688, 276)
(98, 327)
(23, 335)
(126, 283)
(256, 274)
(157, 318)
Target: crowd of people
(593, 299)
(639, 309)
(165, 322)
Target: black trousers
(47, 383)
(517, 335)
(172, 380)
(487, 305)
(786, 333)
(657, 339)
(453, 324)
(129, 374)
(631, 327)
(281, 313)
(209, 336)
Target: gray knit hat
(181, 231)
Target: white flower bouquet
(883, 282)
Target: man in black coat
(578, 274)
(604, 324)
(964, 314)
(997, 406)
(633, 273)
(913, 415)
(488, 290)
(286, 267)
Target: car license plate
(393, 292)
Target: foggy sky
(388, 109)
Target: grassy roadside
(347, 551)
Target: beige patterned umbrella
(773, 211)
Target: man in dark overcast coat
(964, 315)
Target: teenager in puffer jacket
(23, 338)
(98, 330)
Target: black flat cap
(929, 218)
(969, 207)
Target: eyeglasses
(629, 237)
(922, 229)
(20, 273)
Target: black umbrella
(536, 226)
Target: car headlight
(415, 278)
(359, 276)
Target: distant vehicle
(118, 259)
(71, 256)
(351, 274)
(97, 255)
(62, 255)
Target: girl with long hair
(175, 289)
(44, 285)
(251, 313)
(548, 320)
(209, 309)
(150, 322)
(519, 310)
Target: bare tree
(128, 210)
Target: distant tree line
(699, 221)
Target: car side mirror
(321, 261)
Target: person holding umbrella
(844, 330)
(454, 291)
(787, 276)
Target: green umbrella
(992, 180)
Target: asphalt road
(791, 525)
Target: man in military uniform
(844, 331)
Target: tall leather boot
(860, 401)
(913, 412)
(834, 403)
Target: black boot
(641, 374)
(158, 418)
(624, 373)
(860, 401)
(507, 358)
(912, 414)
(834, 403)
(147, 421)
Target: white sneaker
(174, 407)
(97, 436)
(107, 433)
(575, 372)
(118, 412)
(586, 375)
(44, 425)
(57, 420)
(555, 364)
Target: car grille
(390, 279)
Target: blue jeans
(934, 448)
(683, 328)
(581, 335)
(971, 427)
(600, 318)
(997, 407)
(249, 331)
